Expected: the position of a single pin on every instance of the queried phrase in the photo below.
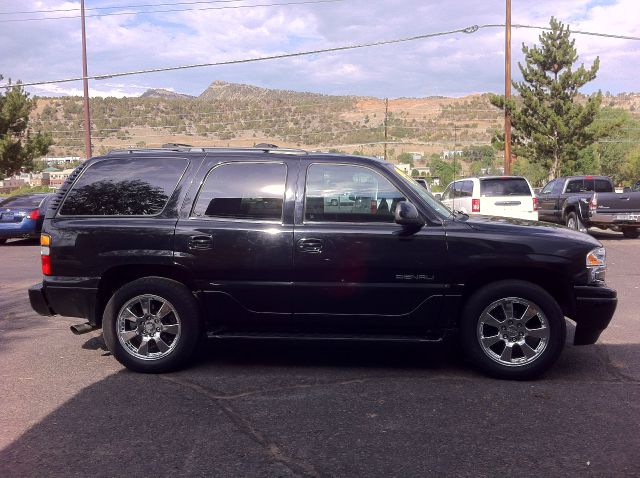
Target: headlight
(596, 264)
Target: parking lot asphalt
(323, 409)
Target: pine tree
(549, 126)
(18, 145)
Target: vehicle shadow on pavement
(353, 410)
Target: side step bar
(321, 336)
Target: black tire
(2, 241)
(574, 222)
(184, 313)
(631, 232)
(522, 368)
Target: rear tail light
(374, 206)
(34, 215)
(593, 203)
(535, 204)
(45, 253)
(475, 205)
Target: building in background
(61, 161)
(11, 184)
(54, 178)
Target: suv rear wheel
(631, 232)
(512, 329)
(152, 325)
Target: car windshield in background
(22, 201)
(504, 187)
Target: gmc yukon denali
(162, 247)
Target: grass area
(28, 190)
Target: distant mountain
(221, 90)
(165, 94)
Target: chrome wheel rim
(571, 223)
(513, 331)
(148, 327)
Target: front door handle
(313, 246)
(201, 243)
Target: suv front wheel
(152, 325)
(512, 329)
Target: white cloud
(444, 66)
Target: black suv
(161, 247)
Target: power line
(173, 10)
(579, 32)
(468, 30)
(75, 9)
(471, 29)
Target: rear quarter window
(504, 187)
(124, 187)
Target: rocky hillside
(242, 115)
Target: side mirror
(407, 215)
(438, 196)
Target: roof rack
(177, 147)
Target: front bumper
(594, 309)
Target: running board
(322, 336)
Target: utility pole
(386, 115)
(507, 90)
(85, 82)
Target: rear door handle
(201, 243)
(313, 246)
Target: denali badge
(414, 277)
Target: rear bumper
(631, 218)
(39, 301)
(594, 309)
(71, 297)
(26, 228)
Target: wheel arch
(114, 278)
(554, 282)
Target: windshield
(440, 209)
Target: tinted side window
(456, 190)
(575, 186)
(548, 187)
(344, 193)
(557, 189)
(124, 187)
(243, 191)
(603, 186)
(467, 189)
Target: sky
(453, 65)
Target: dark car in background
(22, 216)
(581, 202)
